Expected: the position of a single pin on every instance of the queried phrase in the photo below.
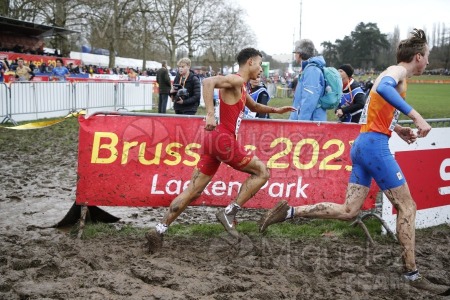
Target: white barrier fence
(26, 101)
(3, 102)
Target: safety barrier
(444, 122)
(283, 92)
(27, 101)
(4, 103)
(38, 100)
(135, 96)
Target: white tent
(103, 61)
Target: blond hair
(185, 61)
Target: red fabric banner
(432, 187)
(128, 160)
(37, 60)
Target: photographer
(186, 91)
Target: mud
(37, 188)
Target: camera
(183, 94)
(179, 92)
(175, 89)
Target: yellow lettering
(325, 165)
(126, 149)
(155, 160)
(173, 153)
(314, 154)
(193, 154)
(111, 147)
(272, 162)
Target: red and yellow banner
(37, 60)
(147, 160)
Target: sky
(276, 23)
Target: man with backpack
(311, 84)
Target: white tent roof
(103, 61)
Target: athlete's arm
(261, 108)
(208, 97)
(386, 88)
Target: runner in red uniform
(221, 145)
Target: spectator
(59, 73)
(23, 73)
(258, 91)
(186, 80)
(353, 98)
(164, 84)
(132, 75)
(4, 66)
(43, 68)
(310, 85)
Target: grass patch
(292, 230)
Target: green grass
(432, 101)
(297, 229)
(292, 230)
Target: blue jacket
(308, 91)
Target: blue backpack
(332, 92)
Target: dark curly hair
(245, 54)
(416, 43)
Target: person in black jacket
(186, 90)
(353, 97)
(258, 91)
(164, 84)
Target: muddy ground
(37, 188)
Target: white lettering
(289, 188)
(278, 187)
(153, 189)
(220, 188)
(176, 184)
(300, 188)
(445, 190)
(231, 185)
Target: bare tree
(229, 35)
(4, 7)
(108, 22)
(24, 10)
(197, 17)
(170, 31)
(60, 13)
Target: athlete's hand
(422, 128)
(283, 109)
(407, 134)
(210, 123)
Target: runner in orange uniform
(371, 157)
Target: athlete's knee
(349, 212)
(407, 207)
(263, 172)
